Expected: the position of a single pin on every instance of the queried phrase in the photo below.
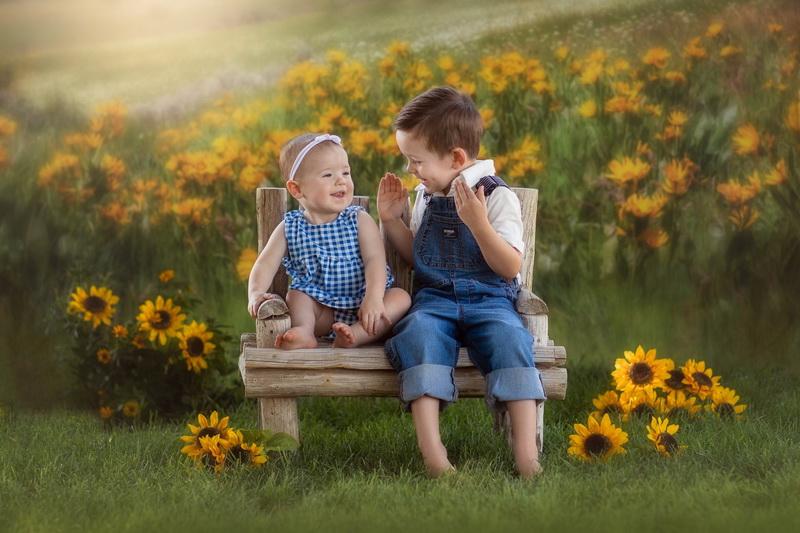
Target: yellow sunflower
(194, 342)
(725, 402)
(640, 370)
(97, 306)
(599, 441)
(103, 356)
(662, 434)
(677, 401)
(213, 452)
(698, 379)
(244, 453)
(105, 412)
(606, 403)
(161, 319)
(638, 402)
(244, 264)
(131, 409)
(627, 170)
(166, 275)
(675, 380)
(746, 140)
(209, 427)
(119, 331)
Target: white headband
(307, 148)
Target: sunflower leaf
(258, 436)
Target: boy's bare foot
(440, 469)
(345, 337)
(530, 470)
(295, 338)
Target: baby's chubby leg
(309, 319)
(396, 301)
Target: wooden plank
(286, 383)
(370, 357)
(528, 199)
(270, 210)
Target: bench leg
(279, 415)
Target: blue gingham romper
(324, 261)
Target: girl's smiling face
(323, 185)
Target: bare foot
(294, 339)
(436, 462)
(345, 338)
(530, 470)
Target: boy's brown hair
(445, 118)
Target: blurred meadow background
(664, 140)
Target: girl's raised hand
(392, 198)
(256, 301)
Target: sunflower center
(668, 442)
(726, 410)
(702, 379)
(195, 346)
(675, 380)
(597, 444)
(162, 320)
(207, 432)
(641, 373)
(240, 454)
(94, 304)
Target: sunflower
(119, 331)
(213, 452)
(662, 434)
(677, 401)
(638, 402)
(746, 140)
(698, 379)
(105, 412)
(103, 356)
(245, 263)
(725, 402)
(606, 403)
(640, 370)
(195, 346)
(131, 409)
(675, 380)
(97, 306)
(626, 170)
(245, 453)
(599, 441)
(209, 427)
(162, 320)
(166, 275)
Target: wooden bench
(277, 377)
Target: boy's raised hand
(392, 197)
(471, 207)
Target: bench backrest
(271, 206)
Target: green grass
(358, 470)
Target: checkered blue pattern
(324, 260)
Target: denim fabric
(460, 301)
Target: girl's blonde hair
(291, 150)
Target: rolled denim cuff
(436, 381)
(509, 384)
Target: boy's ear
(294, 189)
(459, 156)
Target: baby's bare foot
(295, 338)
(345, 338)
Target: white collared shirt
(502, 206)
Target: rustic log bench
(277, 377)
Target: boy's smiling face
(436, 172)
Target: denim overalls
(459, 300)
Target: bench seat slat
(288, 383)
(364, 358)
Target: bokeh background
(663, 138)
